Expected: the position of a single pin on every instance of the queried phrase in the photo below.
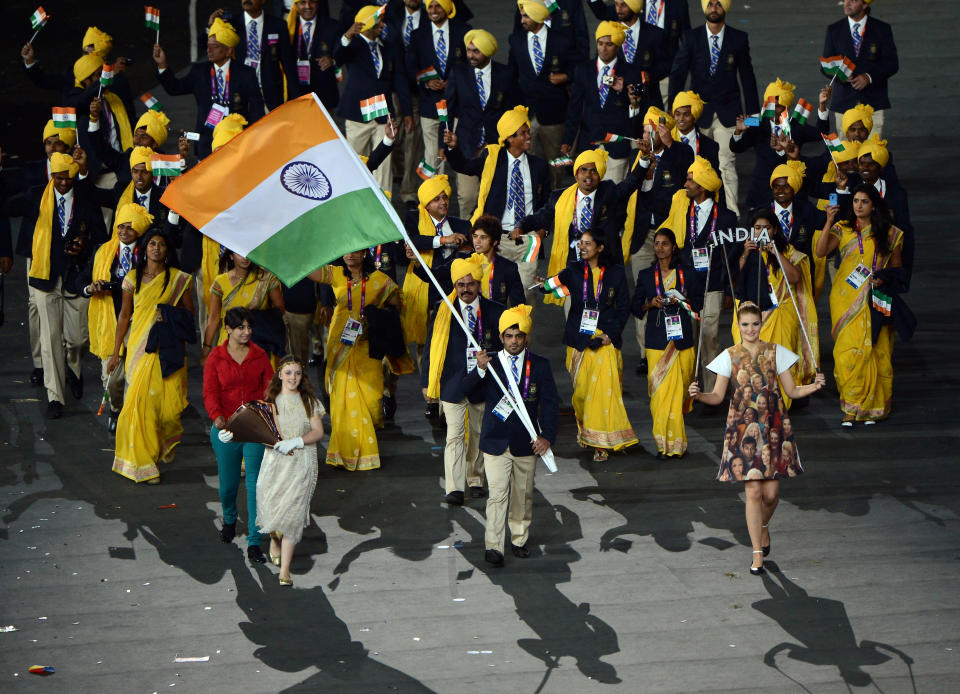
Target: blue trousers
(229, 456)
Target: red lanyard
(526, 376)
(376, 256)
(226, 86)
(693, 223)
(586, 280)
(656, 279)
(490, 282)
(363, 294)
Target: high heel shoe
(275, 558)
(285, 581)
(757, 570)
(766, 549)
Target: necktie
(629, 47)
(537, 54)
(253, 42)
(785, 223)
(586, 215)
(376, 57)
(514, 358)
(471, 320)
(696, 223)
(62, 215)
(220, 87)
(516, 194)
(441, 52)
(482, 93)
(407, 30)
(714, 54)
(307, 28)
(652, 6)
(857, 39)
(684, 140)
(125, 261)
(604, 88)
(141, 200)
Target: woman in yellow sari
(761, 281)
(354, 380)
(149, 427)
(668, 337)
(867, 243)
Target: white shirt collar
(225, 67)
(475, 304)
(600, 64)
(443, 27)
(541, 34)
(706, 206)
(437, 221)
(506, 361)
(719, 34)
(581, 195)
(485, 70)
(131, 246)
(862, 23)
(247, 19)
(68, 196)
(778, 209)
(510, 158)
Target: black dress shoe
(75, 383)
(477, 492)
(256, 555)
(228, 532)
(36, 377)
(493, 557)
(112, 422)
(54, 410)
(642, 367)
(389, 407)
(520, 552)
(454, 498)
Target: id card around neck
(701, 259)
(860, 274)
(674, 327)
(217, 113)
(352, 329)
(503, 409)
(588, 321)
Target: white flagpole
(796, 308)
(696, 370)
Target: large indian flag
(288, 192)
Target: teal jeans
(229, 456)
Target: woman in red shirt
(237, 371)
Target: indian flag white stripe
(65, 117)
(532, 250)
(38, 18)
(556, 287)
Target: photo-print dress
(758, 442)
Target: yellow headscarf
(860, 112)
(102, 42)
(704, 175)
(43, 231)
(784, 91)
(726, 4)
(877, 149)
(459, 268)
(519, 316)
(85, 66)
(139, 155)
(676, 220)
(365, 16)
(447, 6)
(226, 130)
(292, 16)
(615, 30)
(534, 10)
(156, 123)
(597, 157)
(653, 116)
(851, 150)
(793, 171)
(691, 99)
(224, 33)
(430, 189)
(508, 124)
(511, 121)
(483, 40)
(67, 135)
(136, 216)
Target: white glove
(287, 446)
(225, 436)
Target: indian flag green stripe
(555, 287)
(769, 108)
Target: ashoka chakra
(306, 180)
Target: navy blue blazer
(707, 148)
(463, 103)
(454, 386)
(244, 95)
(569, 20)
(652, 54)
(497, 198)
(676, 21)
(505, 287)
(542, 403)
(363, 83)
(878, 58)
(689, 283)
(613, 304)
(758, 139)
(668, 178)
(718, 271)
(547, 102)
(420, 55)
(807, 219)
(324, 82)
(723, 94)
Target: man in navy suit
(314, 39)
(220, 85)
(869, 44)
(452, 355)
(714, 56)
(687, 109)
(509, 455)
(645, 44)
(568, 19)
(477, 95)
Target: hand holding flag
(838, 66)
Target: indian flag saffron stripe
(838, 66)
(832, 142)
(769, 108)
(555, 287)
(38, 18)
(425, 171)
(374, 107)
(611, 137)
(106, 75)
(428, 74)
(288, 192)
(152, 17)
(150, 102)
(532, 250)
(64, 117)
(442, 111)
(165, 164)
(802, 111)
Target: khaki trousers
(877, 124)
(468, 190)
(545, 141)
(431, 137)
(363, 138)
(462, 464)
(639, 261)
(299, 326)
(510, 479)
(113, 383)
(617, 169)
(63, 324)
(728, 161)
(33, 324)
(106, 181)
(410, 147)
(527, 270)
(710, 341)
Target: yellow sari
(862, 367)
(252, 293)
(149, 427)
(669, 374)
(354, 380)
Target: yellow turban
(860, 112)
(635, 5)
(141, 155)
(704, 175)
(534, 10)
(60, 163)
(511, 121)
(156, 123)
(615, 30)
(66, 135)
(851, 150)
(432, 187)
(227, 129)
(784, 91)
(366, 16)
(447, 6)
(85, 66)
(223, 33)
(726, 4)
(597, 157)
(877, 149)
(691, 99)
(793, 171)
(483, 40)
(135, 215)
(519, 316)
(654, 114)
(101, 41)
(461, 267)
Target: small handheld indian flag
(769, 108)
(106, 75)
(374, 107)
(556, 287)
(150, 102)
(165, 164)
(611, 137)
(802, 111)
(152, 17)
(64, 117)
(562, 160)
(38, 18)
(832, 142)
(442, 111)
(552, 5)
(425, 171)
(839, 66)
(532, 249)
(784, 123)
(427, 74)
